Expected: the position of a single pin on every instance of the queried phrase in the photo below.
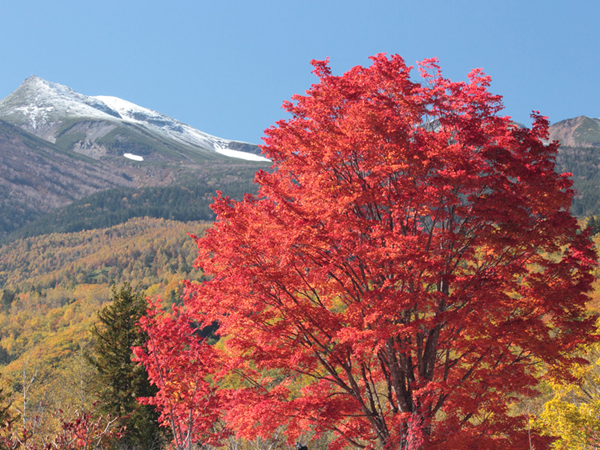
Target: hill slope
(37, 177)
(41, 278)
(102, 125)
(580, 154)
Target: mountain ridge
(46, 109)
(58, 146)
(581, 131)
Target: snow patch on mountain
(173, 129)
(237, 154)
(133, 157)
(36, 114)
(38, 103)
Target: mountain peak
(580, 131)
(35, 85)
(39, 104)
(49, 111)
(33, 79)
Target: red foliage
(409, 262)
(82, 432)
(85, 432)
(180, 364)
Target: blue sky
(225, 67)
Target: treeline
(115, 206)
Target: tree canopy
(403, 272)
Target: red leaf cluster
(179, 363)
(81, 432)
(402, 272)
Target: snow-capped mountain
(58, 146)
(38, 104)
(103, 126)
(173, 129)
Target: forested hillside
(579, 154)
(584, 164)
(115, 206)
(52, 286)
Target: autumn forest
(410, 273)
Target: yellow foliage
(60, 281)
(573, 413)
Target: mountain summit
(580, 131)
(104, 126)
(58, 146)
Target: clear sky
(225, 67)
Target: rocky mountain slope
(580, 154)
(581, 131)
(57, 146)
(102, 126)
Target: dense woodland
(53, 287)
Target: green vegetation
(120, 381)
(588, 131)
(68, 140)
(122, 140)
(14, 214)
(112, 207)
(584, 164)
(38, 144)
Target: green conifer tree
(593, 224)
(121, 381)
(6, 299)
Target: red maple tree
(180, 363)
(403, 272)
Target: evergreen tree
(6, 299)
(593, 224)
(120, 380)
